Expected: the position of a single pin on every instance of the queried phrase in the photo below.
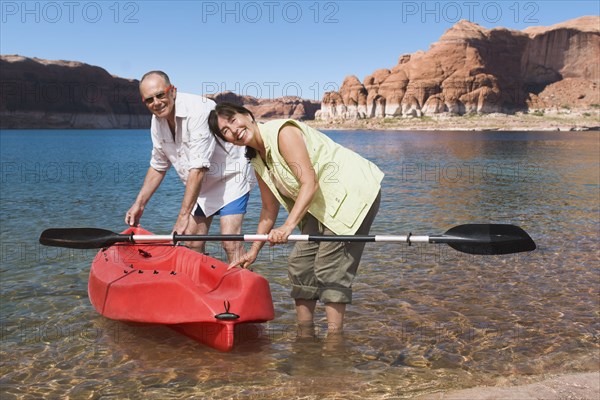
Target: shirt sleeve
(159, 160)
(201, 144)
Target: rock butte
(469, 70)
(39, 94)
(476, 70)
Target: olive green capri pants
(325, 270)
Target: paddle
(469, 238)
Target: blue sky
(259, 48)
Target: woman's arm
(268, 215)
(293, 149)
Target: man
(216, 175)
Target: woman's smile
(242, 134)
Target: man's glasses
(159, 96)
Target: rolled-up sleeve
(159, 160)
(201, 144)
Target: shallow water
(425, 318)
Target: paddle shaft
(469, 238)
(292, 238)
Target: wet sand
(553, 121)
(579, 386)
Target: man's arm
(190, 198)
(201, 146)
(151, 183)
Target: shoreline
(547, 121)
(580, 386)
(556, 121)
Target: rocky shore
(564, 120)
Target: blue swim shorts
(235, 207)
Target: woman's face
(239, 129)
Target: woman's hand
(247, 259)
(280, 235)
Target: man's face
(158, 96)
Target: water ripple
(425, 318)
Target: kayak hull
(192, 293)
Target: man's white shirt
(229, 174)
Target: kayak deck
(192, 293)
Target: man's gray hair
(159, 73)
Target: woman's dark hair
(228, 110)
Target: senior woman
(326, 188)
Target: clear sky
(258, 48)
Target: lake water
(425, 318)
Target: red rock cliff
(476, 70)
(281, 107)
(38, 93)
(43, 94)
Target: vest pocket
(344, 208)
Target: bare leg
(335, 317)
(305, 310)
(199, 226)
(232, 224)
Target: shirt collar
(181, 110)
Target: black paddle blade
(487, 239)
(81, 238)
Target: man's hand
(181, 224)
(133, 215)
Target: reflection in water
(424, 318)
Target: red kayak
(190, 292)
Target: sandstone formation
(43, 94)
(281, 107)
(476, 70)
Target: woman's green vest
(348, 183)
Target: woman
(326, 188)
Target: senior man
(216, 175)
